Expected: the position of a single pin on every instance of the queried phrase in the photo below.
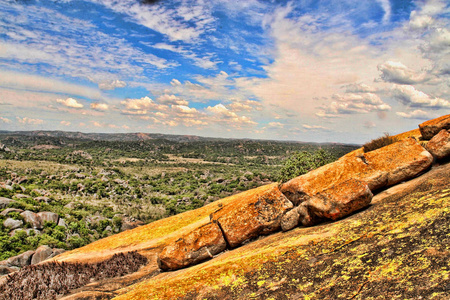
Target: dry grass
(379, 142)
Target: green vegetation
(302, 162)
(379, 142)
(101, 187)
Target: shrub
(379, 142)
(302, 162)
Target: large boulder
(41, 254)
(198, 245)
(32, 218)
(12, 224)
(20, 260)
(253, 213)
(47, 216)
(395, 163)
(333, 203)
(4, 202)
(379, 168)
(430, 128)
(439, 145)
(340, 200)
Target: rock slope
(397, 246)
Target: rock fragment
(439, 145)
(198, 245)
(430, 128)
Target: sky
(342, 71)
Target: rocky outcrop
(199, 245)
(41, 254)
(27, 258)
(12, 224)
(8, 210)
(254, 213)
(47, 216)
(32, 218)
(20, 260)
(379, 168)
(333, 203)
(439, 145)
(430, 128)
(4, 202)
(340, 200)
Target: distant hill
(131, 137)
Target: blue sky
(322, 71)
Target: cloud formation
(408, 95)
(70, 102)
(396, 72)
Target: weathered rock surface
(379, 168)
(340, 200)
(8, 210)
(300, 215)
(47, 216)
(439, 145)
(395, 163)
(12, 224)
(4, 202)
(42, 199)
(253, 213)
(4, 270)
(199, 245)
(32, 218)
(430, 128)
(20, 260)
(62, 222)
(41, 254)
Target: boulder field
(358, 201)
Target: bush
(302, 162)
(379, 142)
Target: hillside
(395, 248)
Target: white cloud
(224, 115)
(65, 123)
(30, 121)
(205, 61)
(275, 125)
(359, 88)
(416, 114)
(408, 95)
(5, 120)
(171, 99)
(70, 102)
(100, 106)
(27, 82)
(184, 110)
(139, 104)
(420, 22)
(182, 22)
(397, 72)
(386, 5)
(245, 105)
(111, 85)
(314, 127)
(351, 103)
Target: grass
(380, 142)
